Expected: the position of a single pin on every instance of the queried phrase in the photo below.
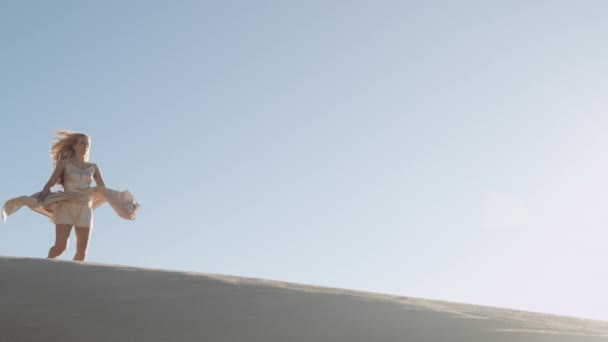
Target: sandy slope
(50, 300)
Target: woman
(73, 207)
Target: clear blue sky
(445, 150)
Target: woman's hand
(98, 188)
(41, 195)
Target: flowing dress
(77, 191)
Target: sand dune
(53, 300)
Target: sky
(436, 149)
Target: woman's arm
(53, 180)
(97, 176)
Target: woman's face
(81, 146)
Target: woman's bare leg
(82, 242)
(62, 236)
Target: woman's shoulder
(63, 162)
(90, 164)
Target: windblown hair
(62, 147)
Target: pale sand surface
(52, 300)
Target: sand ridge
(55, 300)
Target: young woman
(73, 207)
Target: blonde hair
(62, 147)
